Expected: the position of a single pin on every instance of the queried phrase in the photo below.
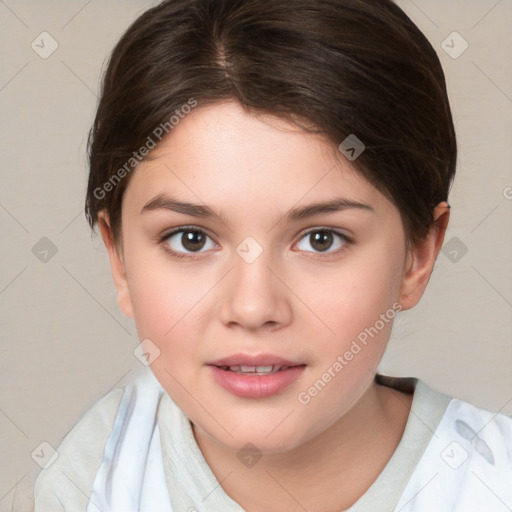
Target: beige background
(64, 341)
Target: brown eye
(322, 240)
(185, 241)
(193, 240)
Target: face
(256, 259)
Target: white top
(134, 450)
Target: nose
(254, 298)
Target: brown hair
(344, 66)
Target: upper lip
(253, 360)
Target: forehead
(222, 153)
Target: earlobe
(117, 265)
(421, 259)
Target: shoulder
(66, 483)
(485, 436)
(467, 466)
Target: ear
(116, 265)
(422, 257)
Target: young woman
(271, 180)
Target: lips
(255, 376)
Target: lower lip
(256, 386)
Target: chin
(248, 435)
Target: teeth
(255, 370)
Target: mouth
(255, 376)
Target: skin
(291, 301)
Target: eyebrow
(165, 202)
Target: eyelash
(192, 256)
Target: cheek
(358, 304)
(169, 311)
(351, 297)
(164, 298)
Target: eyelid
(180, 229)
(331, 229)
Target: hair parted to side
(343, 66)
